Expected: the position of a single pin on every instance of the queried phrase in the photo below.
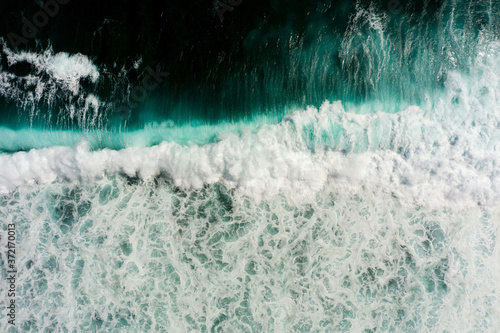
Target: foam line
(407, 154)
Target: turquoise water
(354, 189)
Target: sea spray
(304, 167)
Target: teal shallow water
(124, 256)
(344, 181)
(326, 222)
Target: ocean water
(340, 174)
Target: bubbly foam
(407, 154)
(327, 221)
(122, 255)
(51, 89)
(62, 67)
(444, 155)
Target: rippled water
(374, 209)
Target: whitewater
(340, 217)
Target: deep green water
(304, 167)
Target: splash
(347, 181)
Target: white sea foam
(215, 260)
(67, 69)
(380, 222)
(53, 82)
(446, 155)
(409, 154)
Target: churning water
(374, 209)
